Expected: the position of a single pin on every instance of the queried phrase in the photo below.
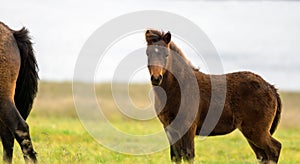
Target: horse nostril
(152, 78)
(159, 77)
(156, 80)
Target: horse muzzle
(156, 80)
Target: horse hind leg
(7, 142)
(264, 141)
(19, 128)
(260, 153)
(275, 145)
(23, 138)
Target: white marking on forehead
(156, 49)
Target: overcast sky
(268, 29)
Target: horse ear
(147, 33)
(167, 37)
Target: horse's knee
(22, 125)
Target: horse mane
(174, 48)
(153, 36)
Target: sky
(260, 36)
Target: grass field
(59, 136)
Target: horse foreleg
(7, 142)
(175, 152)
(188, 145)
(175, 146)
(19, 128)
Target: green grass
(59, 137)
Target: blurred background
(261, 36)
(258, 36)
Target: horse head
(158, 50)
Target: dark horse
(250, 103)
(18, 87)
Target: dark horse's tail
(278, 111)
(27, 82)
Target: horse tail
(27, 82)
(278, 111)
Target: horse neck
(176, 50)
(176, 68)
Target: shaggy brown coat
(250, 103)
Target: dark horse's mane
(27, 82)
(155, 36)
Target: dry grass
(291, 109)
(56, 99)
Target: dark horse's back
(249, 100)
(18, 88)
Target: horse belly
(224, 125)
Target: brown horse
(250, 103)
(18, 87)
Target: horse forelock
(153, 36)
